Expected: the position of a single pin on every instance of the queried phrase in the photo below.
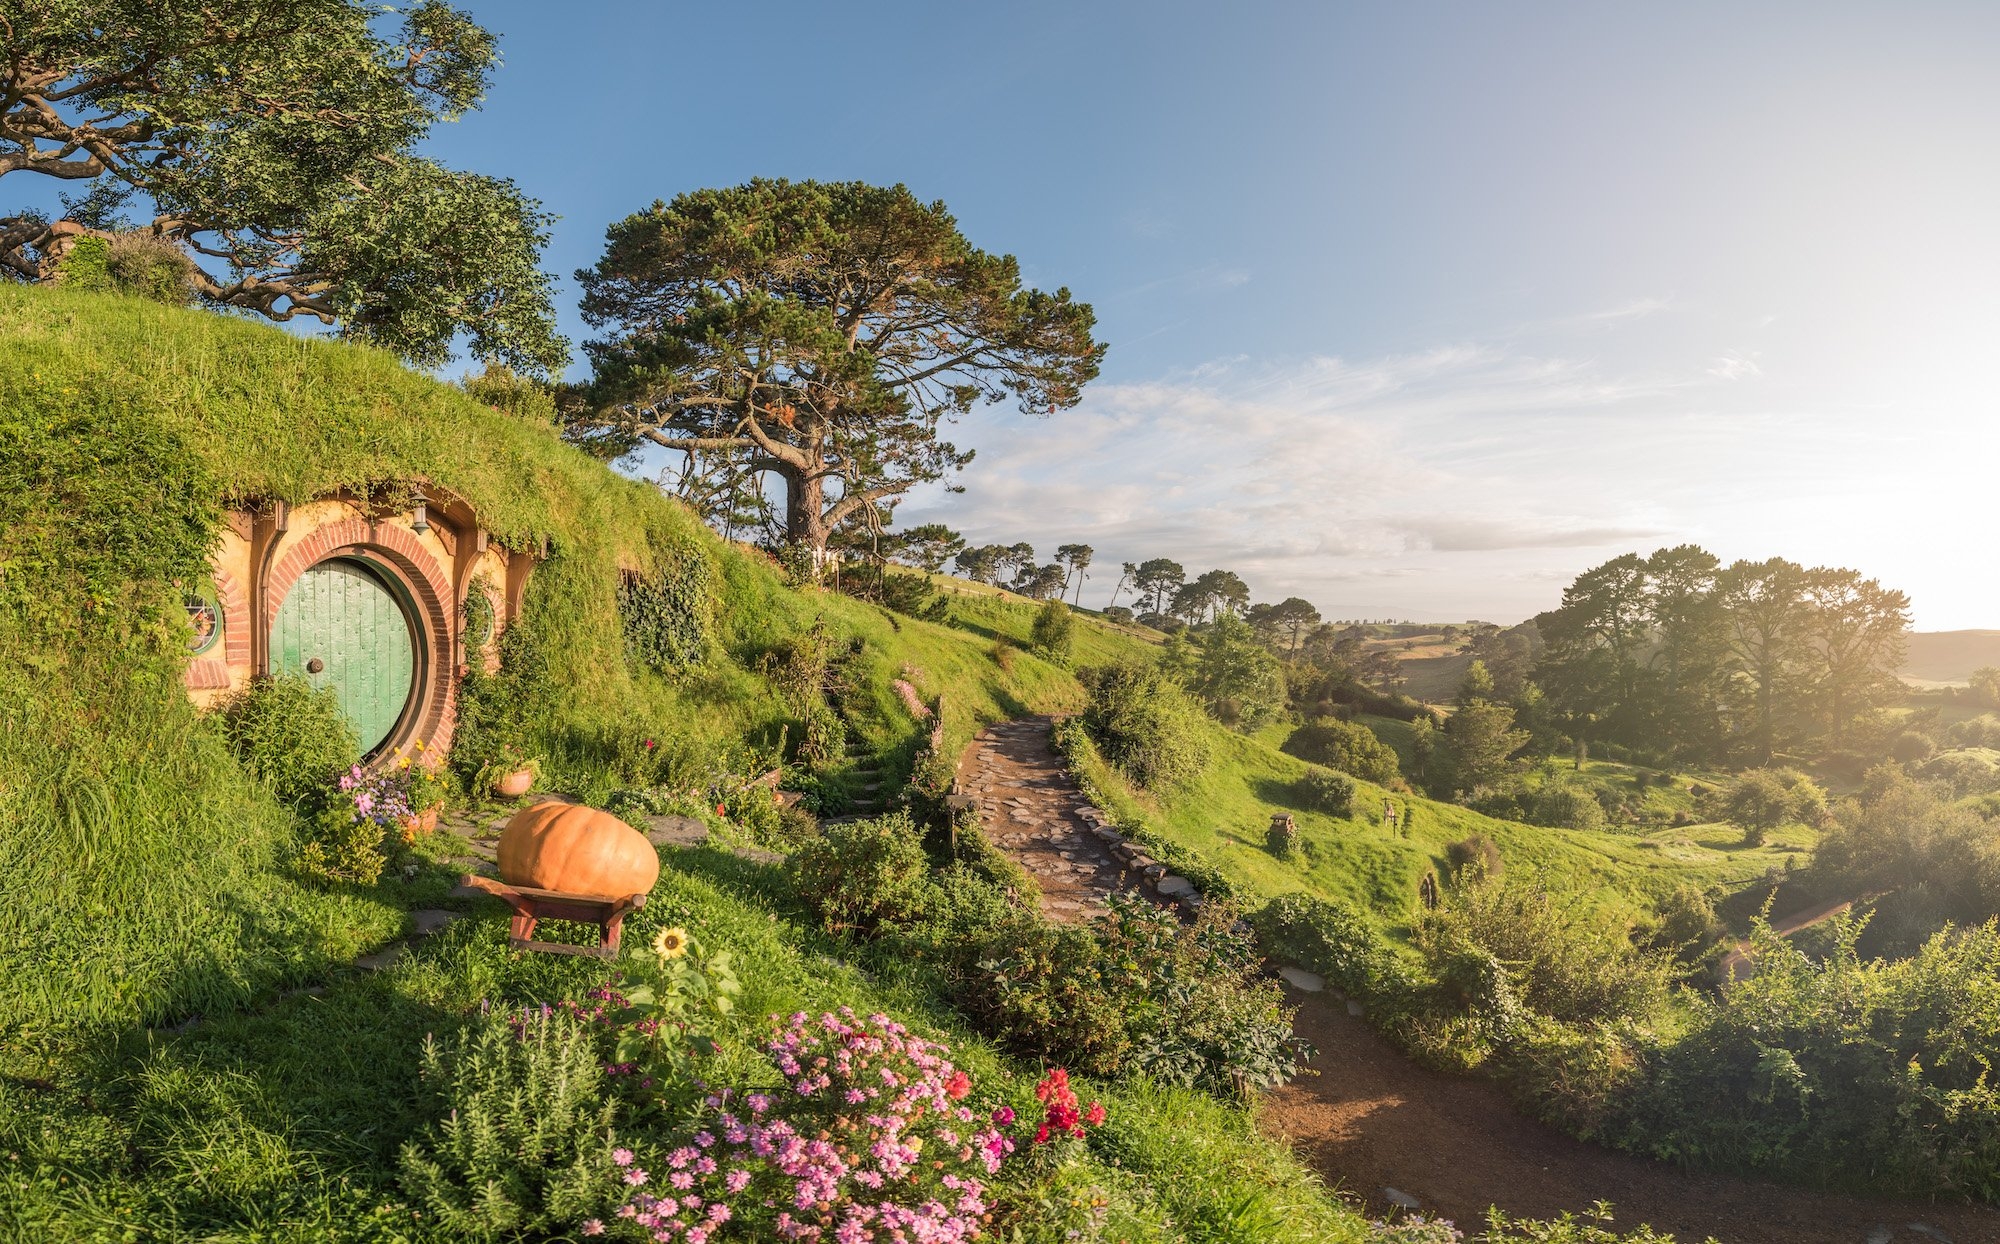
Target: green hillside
(151, 881)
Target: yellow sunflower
(671, 943)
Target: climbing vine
(667, 616)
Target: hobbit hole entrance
(345, 625)
(391, 605)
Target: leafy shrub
(1347, 746)
(338, 847)
(1146, 725)
(523, 1143)
(1054, 632)
(1563, 963)
(862, 873)
(1324, 790)
(915, 595)
(1565, 805)
(1967, 770)
(130, 263)
(1476, 855)
(1911, 746)
(291, 737)
(1980, 731)
(1807, 1064)
(1118, 614)
(1209, 1020)
(1333, 939)
(1684, 925)
(1761, 800)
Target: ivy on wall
(667, 615)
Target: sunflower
(671, 943)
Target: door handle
(315, 665)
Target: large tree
(823, 330)
(271, 145)
(1157, 580)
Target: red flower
(958, 1086)
(649, 745)
(720, 810)
(1095, 1115)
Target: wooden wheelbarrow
(531, 906)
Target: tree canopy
(823, 331)
(271, 142)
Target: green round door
(342, 626)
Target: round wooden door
(343, 626)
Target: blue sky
(1414, 310)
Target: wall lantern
(420, 521)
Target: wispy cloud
(1734, 365)
(1466, 479)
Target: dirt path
(1738, 965)
(1372, 1122)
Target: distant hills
(1939, 658)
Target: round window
(205, 617)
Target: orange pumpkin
(577, 850)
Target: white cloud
(1734, 365)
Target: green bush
(1565, 805)
(1054, 632)
(1809, 1063)
(523, 1139)
(1761, 800)
(1347, 746)
(1146, 725)
(1324, 790)
(863, 873)
(339, 847)
(1333, 939)
(1199, 1011)
(1564, 962)
(1476, 855)
(290, 737)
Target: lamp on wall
(419, 520)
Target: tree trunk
(805, 513)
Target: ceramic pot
(515, 784)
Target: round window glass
(205, 617)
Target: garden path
(1389, 1132)
(1031, 808)
(1393, 1133)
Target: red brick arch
(235, 617)
(428, 585)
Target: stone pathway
(1031, 808)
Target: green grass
(1358, 859)
(149, 880)
(283, 1123)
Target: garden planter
(514, 785)
(415, 827)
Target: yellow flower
(916, 1143)
(671, 943)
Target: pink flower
(622, 1156)
(1004, 1116)
(635, 1178)
(593, 1226)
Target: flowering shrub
(1061, 1114)
(868, 1140)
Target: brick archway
(394, 548)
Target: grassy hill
(185, 1050)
